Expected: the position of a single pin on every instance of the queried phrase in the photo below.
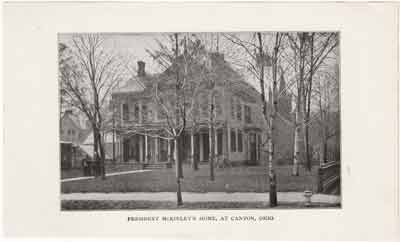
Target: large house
(238, 119)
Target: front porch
(232, 144)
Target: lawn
(78, 172)
(235, 179)
(119, 205)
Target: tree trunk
(178, 172)
(271, 174)
(177, 146)
(298, 125)
(193, 151)
(308, 105)
(212, 139)
(272, 177)
(99, 155)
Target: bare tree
(327, 95)
(88, 83)
(310, 51)
(180, 64)
(257, 61)
(321, 46)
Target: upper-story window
(204, 105)
(125, 112)
(144, 113)
(218, 105)
(239, 110)
(247, 114)
(233, 108)
(136, 112)
(161, 114)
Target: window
(144, 113)
(233, 140)
(73, 132)
(233, 108)
(125, 112)
(239, 110)
(136, 112)
(204, 105)
(218, 105)
(161, 114)
(247, 114)
(240, 141)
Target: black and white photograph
(215, 120)
(201, 121)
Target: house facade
(238, 118)
(73, 132)
(73, 128)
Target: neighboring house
(73, 131)
(73, 128)
(239, 123)
(110, 144)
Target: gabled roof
(134, 84)
(78, 121)
(214, 64)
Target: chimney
(141, 68)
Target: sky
(134, 45)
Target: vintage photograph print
(241, 120)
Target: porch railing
(329, 177)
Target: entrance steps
(153, 166)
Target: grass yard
(235, 179)
(119, 205)
(78, 172)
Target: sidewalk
(289, 197)
(107, 175)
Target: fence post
(320, 180)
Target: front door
(126, 149)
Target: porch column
(121, 146)
(145, 149)
(192, 147)
(228, 142)
(169, 151)
(201, 146)
(140, 138)
(216, 143)
(224, 143)
(247, 146)
(156, 157)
